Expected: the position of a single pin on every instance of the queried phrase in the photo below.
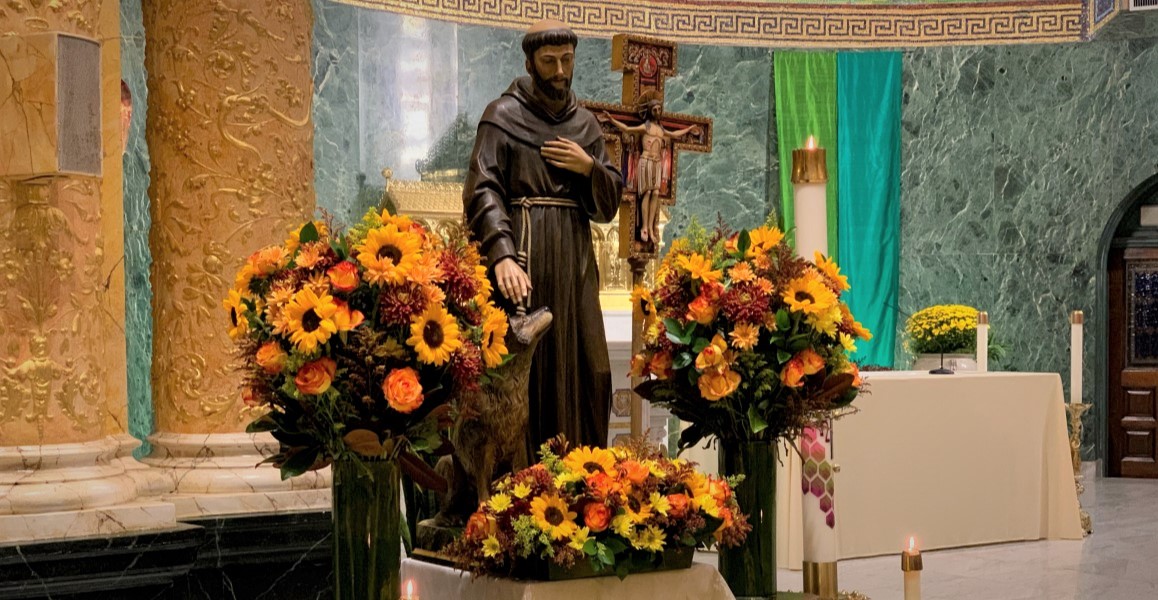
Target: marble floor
(1118, 562)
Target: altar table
(436, 582)
(955, 460)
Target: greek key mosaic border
(755, 23)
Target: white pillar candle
(1076, 321)
(911, 567)
(819, 487)
(810, 199)
(982, 342)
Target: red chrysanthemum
(458, 279)
(745, 303)
(466, 366)
(399, 303)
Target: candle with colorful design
(819, 513)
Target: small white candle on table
(810, 199)
(982, 342)
(1076, 321)
(911, 567)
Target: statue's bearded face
(552, 70)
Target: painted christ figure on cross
(653, 142)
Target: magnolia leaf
(299, 461)
(783, 356)
(701, 343)
(309, 233)
(756, 420)
(744, 242)
(783, 323)
(835, 387)
(265, 423)
(682, 360)
(364, 442)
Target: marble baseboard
(191, 506)
(103, 521)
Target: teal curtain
(805, 85)
(869, 154)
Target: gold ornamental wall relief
(231, 141)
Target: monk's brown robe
(570, 382)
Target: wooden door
(1133, 362)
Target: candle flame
(410, 589)
(912, 543)
(811, 144)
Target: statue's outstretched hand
(513, 280)
(566, 154)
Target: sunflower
(310, 319)
(494, 336)
(434, 336)
(649, 538)
(553, 517)
(807, 294)
(828, 268)
(238, 322)
(388, 255)
(745, 335)
(637, 511)
(699, 267)
(588, 460)
(763, 240)
(485, 289)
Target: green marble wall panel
(729, 84)
(138, 258)
(335, 109)
(1014, 159)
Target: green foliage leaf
(700, 344)
(783, 356)
(309, 233)
(682, 360)
(783, 323)
(744, 242)
(677, 333)
(756, 420)
(261, 424)
(299, 461)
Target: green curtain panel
(806, 105)
(869, 117)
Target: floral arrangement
(947, 329)
(745, 340)
(618, 509)
(355, 343)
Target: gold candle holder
(982, 318)
(911, 561)
(1075, 412)
(820, 580)
(808, 164)
(1077, 317)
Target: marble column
(230, 138)
(62, 390)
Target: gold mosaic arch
(784, 24)
(438, 206)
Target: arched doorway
(1127, 333)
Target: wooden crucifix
(644, 142)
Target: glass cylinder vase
(367, 536)
(750, 569)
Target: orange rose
(716, 384)
(660, 365)
(476, 526)
(346, 318)
(856, 380)
(271, 358)
(596, 516)
(813, 363)
(702, 311)
(316, 376)
(343, 276)
(601, 485)
(793, 374)
(634, 472)
(403, 390)
(732, 244)
(679, 505)
(718, 489)
(713, 356)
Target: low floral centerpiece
(748, 343)
(945, 329)
(594, 511)
(352, 347)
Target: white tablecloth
(434, 582)
(955, 460)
